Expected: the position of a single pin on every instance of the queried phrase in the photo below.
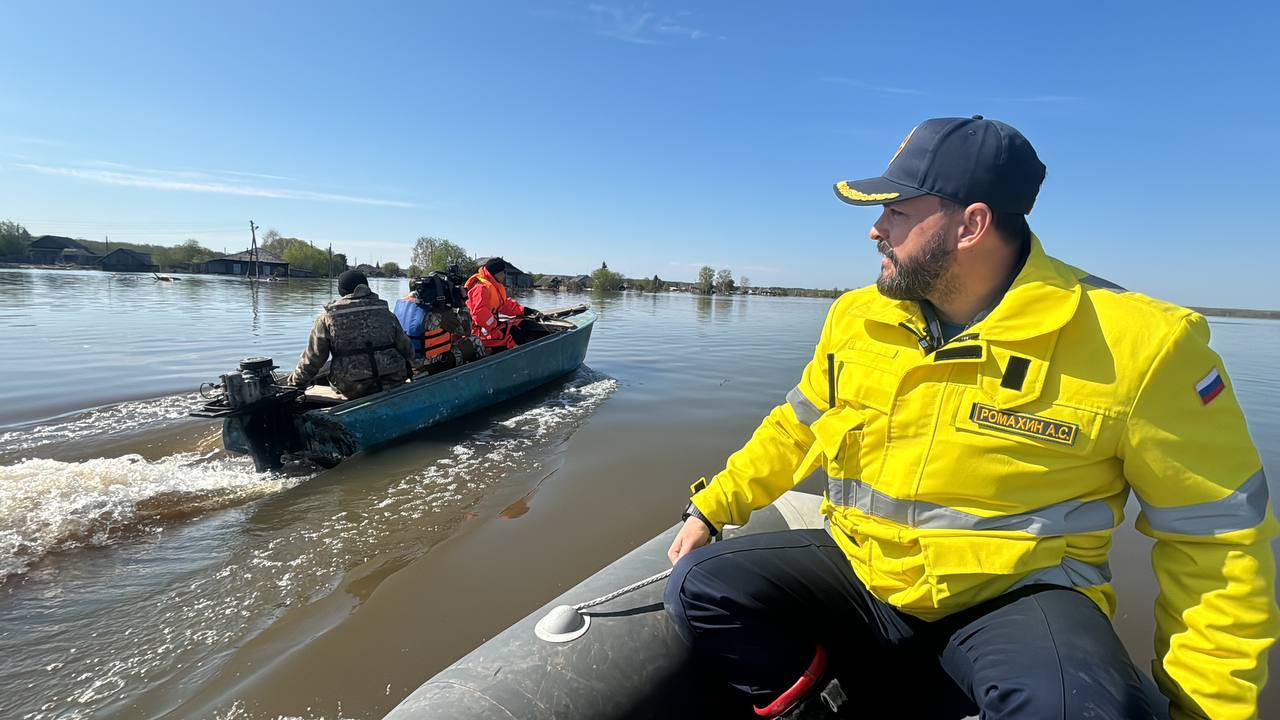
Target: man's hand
(693, 535)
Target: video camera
(441, 289)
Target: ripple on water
(51, 505)
(117, 419)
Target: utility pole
(253, 253)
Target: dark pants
(754, 609)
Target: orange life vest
(495, 293)
(437, 343)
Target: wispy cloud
(640, 26)
(217, 182)
(882, 89)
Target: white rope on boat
(623, 591)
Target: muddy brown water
(150, 575)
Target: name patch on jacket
(1019, 424)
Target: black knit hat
(495, 265)
(349, 280)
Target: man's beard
(920, 277)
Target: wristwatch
(692, 511)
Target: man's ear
(975, 225)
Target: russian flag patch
(1210, 387)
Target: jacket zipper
(926, 344)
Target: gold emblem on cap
(905, 140)
(844, 189)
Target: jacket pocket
(981, 554)
(867, 376)
(837, 444)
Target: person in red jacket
(486, 298)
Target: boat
(276, 423)
(605, 649)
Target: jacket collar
(482, 276)
(362, 292)
(1043, 298)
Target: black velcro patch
(963, 352)
(1015, 373)
(1029, 425)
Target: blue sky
(657, 136)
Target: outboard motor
(257, 413)
(253, 383)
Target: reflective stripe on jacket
(486, 297)
(1005, 458)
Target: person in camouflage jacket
(370, 350)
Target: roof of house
(247, 256)
(139, 257)
(55, 242)
(511, 268)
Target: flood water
(147, 574)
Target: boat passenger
(982, 414)
(369, 349)
(486, 297)
(440, 337)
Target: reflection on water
(210, 590)
(80, 339)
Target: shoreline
(1206, 311)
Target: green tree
(656, 284)
(706, 280)
(432, 253)
(339, 264)
(273, 242)
(415, 271)
(300, 254)
(605, 279)
(392, 269)
(15, 241)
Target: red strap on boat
(797, 692)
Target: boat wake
(502, 448)
(182, 613)
(109, 420)
(50, 505)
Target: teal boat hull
(331, 434)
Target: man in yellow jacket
(982, 414)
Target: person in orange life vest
(486, 297)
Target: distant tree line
(302, 254)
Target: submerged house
(47, 249)
(125, 260)
(242, 263)
(76, 256)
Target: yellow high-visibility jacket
(1005, 458)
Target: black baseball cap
(965, 160)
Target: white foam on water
(116, 419)
(499, 449)
(51, 505)
(189, 626)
